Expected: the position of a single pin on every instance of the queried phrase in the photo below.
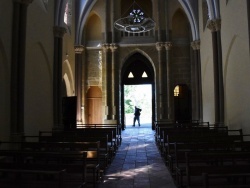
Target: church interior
(64, 68)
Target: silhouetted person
(137, 115)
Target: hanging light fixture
(135, 22)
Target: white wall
(206, 70)
(236, 65)
(39, 69)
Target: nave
(138, 163)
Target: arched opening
(137, 70)
(93, 34)
(182, 103)
(94, 105)
(181, 68)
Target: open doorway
(138, 72)
(140, 96)
(182, 103)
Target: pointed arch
(189, 10)
(83, 12)
(93, 28)
(213, 9)
(180, 23)
(59, 12)
(136, 63)
(69, 78)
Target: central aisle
(138, 163)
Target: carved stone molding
(195, 45)
(159, 45)
(214, 25)
(79, 49)
(113, 47)
(26, 2)
(59, 31)
(105, 47)
(168, 45)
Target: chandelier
(135, 22)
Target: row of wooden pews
(201, 155)
(59, 158)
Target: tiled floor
(138, 163)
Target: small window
(131, 75)
(68, 15)
(176, 91)
(144, 75)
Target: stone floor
(138, 163)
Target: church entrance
(137, 70)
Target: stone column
(214, 26)
(78, 81)
(162, 82)
(114, 83)
(106, 8)
(168, 46)
(166, 21)
(57, 77)
(113, 20)
(106, 85)
(197, 86)
(159, 20)
(18, 66)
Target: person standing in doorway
(137, 115)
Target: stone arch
(180, 25)
(93, 109)
(138, 64)
(180, 67)
(182, 103)
(93, 28)
(191, 16)
(69, 78)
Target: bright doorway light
(140, 96)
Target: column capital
(195, 44)
(214, 25)
(168, 45)
(159, 46)
(26, 2)
(59, 31)
(105, 47)
(79, 49)
(113, 47)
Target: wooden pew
(116, 127)
(80, 134)
(212, 163)
(23, 164)
(179, 141)
(66, 151)
(90, 132)
(201, 134)
(234, 177)
(112, 139)
(179, 127)
(176, 158)
(105, 152)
